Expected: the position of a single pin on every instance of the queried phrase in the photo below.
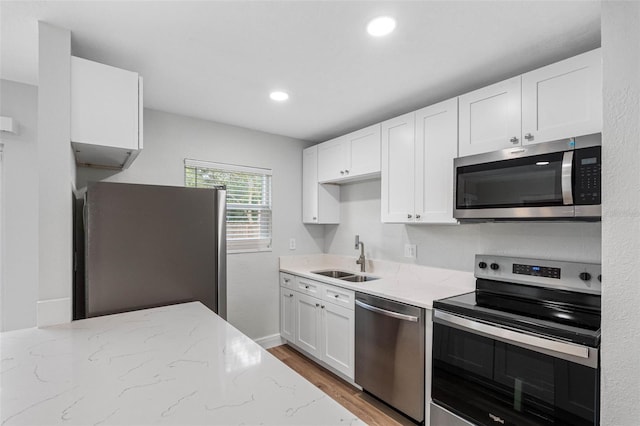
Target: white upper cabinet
(350, 157)
(490, 118)
(398, 177)
(417, 165)
(563, 99)
(320, 203)
(106, 114)
(436, 147)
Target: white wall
(453, 246)
(54, 176)
(621, 214)
(19, 279)
(252, 277)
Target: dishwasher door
(389, 353)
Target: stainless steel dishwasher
(389, 361)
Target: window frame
(240, 245)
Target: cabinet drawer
(339, 296)
(310, 287)
(287, 280)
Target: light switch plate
(410, 251)
(292, 243)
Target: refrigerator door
(149, 246)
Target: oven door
(490, 375)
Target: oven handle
(567, 187)
(513, 336)
(391, 314)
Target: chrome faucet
(361, 260)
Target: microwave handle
(567, 169)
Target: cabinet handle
(409, 216)
(528, 137)
(288, 295)
(417, 216)
(514, 140)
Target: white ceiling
(218, 60)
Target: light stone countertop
(412, 284)
(178, 365)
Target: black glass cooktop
(564, 315)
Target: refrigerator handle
(221, 232)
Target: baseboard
(270, 341)
(53, 311)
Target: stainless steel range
(523, 349)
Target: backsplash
(453, 246)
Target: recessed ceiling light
(279, 96)
(381, 26)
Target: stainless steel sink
(333, 274)
(358, 278)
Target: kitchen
(171, 137)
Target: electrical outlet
(292, 243)
(410, 250)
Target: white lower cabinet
(319, 319)
(338, 330)
(287, 314)
(308, 324)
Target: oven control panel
(574, 276)
(536, 271)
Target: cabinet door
(563, 99)
(320, 203)
(398, 169)
(339, 334)
(331, 160)
(104, 105)
(310, 185)
(363, 148)
(436, 147)
(287, 314)
(490, 118)
(308, 324)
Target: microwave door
(536, 186)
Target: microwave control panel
(587, 176)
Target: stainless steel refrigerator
(142, 246)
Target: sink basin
(358, 278)
(333, 274)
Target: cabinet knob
(306, 286)
(336, 296)
(514, 140)
(315, 218)
(417, 216)
(409, 216)
(341, 172)
(528, 137)
(322, 306)
(317, 304)
(346, 172)
(286, 280)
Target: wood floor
(367, 408)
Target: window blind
(249, 215)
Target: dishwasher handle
(387, 313)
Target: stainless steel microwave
(552, 180)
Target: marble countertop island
(178, 365)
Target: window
(248, 201)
